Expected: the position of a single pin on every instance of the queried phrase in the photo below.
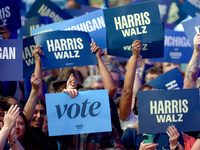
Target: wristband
(12, 142)
(174, 147)
(138, 70)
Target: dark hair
(4, 104)
(39, 101)
(145, 86)
(154, 70)
(26, 139)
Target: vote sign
(83, 114)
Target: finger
(175, 130)
(10, 109)
(76, 92)
(12, 112)
(73, 94)
(16, 113)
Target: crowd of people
(23, 120)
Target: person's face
(116, 78)
(38, 117)
(169, 66)
(20, 127)
(97, 85)
(150, 77)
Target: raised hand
(196, 42)
(71, 82)
(35, 81)
(136, 48)
(72, 92)
(96, 48)
(37, 51)
(11, 116)
(5, 33)
(173, 134)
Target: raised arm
(29, 108)
(9, 125)
(105, 74)
(38, 70)
(127, 93)
(192, 70)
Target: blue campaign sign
(93, 23)
(73, 12)
(191, 28)
(35, 22)
(11, 60)
(138, 21)
(170, 80)
(177, 48)
(10, 15)
(28, 59)
(65, 49)
(149, 50)
(191, 7)
(49, 9)
(46, 28)
(83, 114)
(87, 9)
(171, 11)
(20, 32)
(166, 107)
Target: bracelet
(32, 100)
(12, 142)
(137, 70)
(174, 147)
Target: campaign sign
(127, 23)
(170, 80)
(36, 22)
(20, 31)
(93, 23)
(73, 12)
(65, 49)
(46, 28)
(11, 60)
(166, 107)
(191, 7)
(171, 11)
(87, 9)
(49, 9)
(28, 59)
(191, 28)
(10, 15)
(177, 48)
(149, 50)
(83, 114)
